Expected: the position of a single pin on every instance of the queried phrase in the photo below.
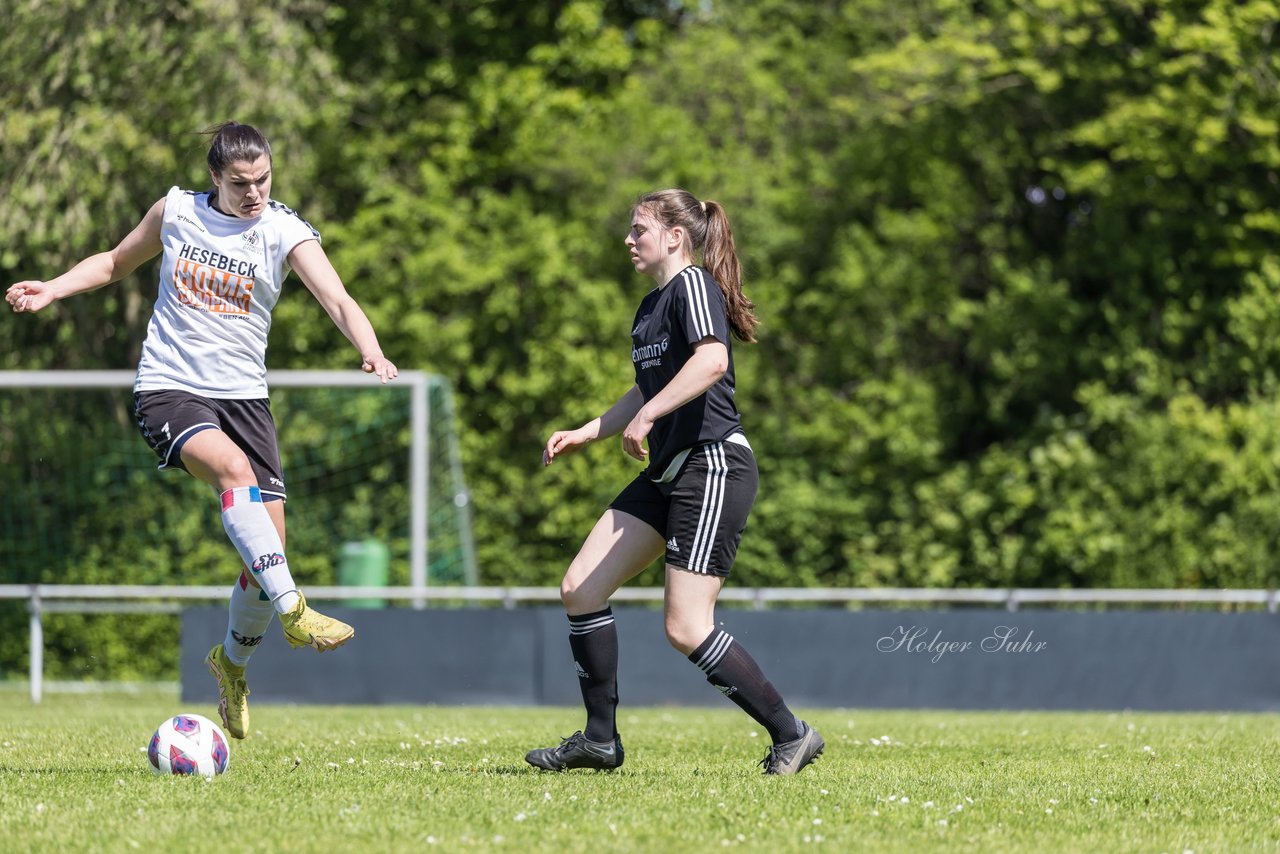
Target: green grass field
(74, 776)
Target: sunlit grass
(73, 776)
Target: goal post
(83, 503)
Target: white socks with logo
(249, 614)
(248, 524)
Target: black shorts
(703, 510)
(168, 419)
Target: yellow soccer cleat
(306, 627)
(233, 693)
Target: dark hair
(707, 226)
(233, 142)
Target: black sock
(594, 641)
(731, 669)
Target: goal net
(82, 502)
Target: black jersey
(670, 320)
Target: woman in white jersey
(691, 503)
(201, 392)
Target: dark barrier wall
(969, 659)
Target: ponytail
(720, 256)
(707, 226)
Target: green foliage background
(1015, 261)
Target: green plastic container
(364, 564)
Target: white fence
(143, 599)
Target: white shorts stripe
(712, 504)
(713, 501)
(721, 487)
(181, 439)
(701, 540)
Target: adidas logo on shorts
(672, 547)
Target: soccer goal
(81, 500)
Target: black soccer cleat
(791, 756)
(577, 752)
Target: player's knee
(229, 471)
(576, 586)
(684, 635)
(237, 471)
(580, 597)
(571, 595)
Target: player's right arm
(609, 424)
(140, 245)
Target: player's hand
(380, 365)
(633, 437)
(29, 296)
(564, 442)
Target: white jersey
(220, 277)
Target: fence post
(37, 645)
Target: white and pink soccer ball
(188, 744)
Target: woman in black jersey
(692, 500)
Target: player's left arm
(704, 369)
(309, 261)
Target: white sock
(249, 614)
(249, 525)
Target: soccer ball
(188, 744)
